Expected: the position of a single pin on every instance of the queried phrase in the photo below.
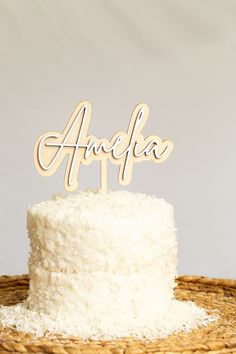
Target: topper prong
(103, 176)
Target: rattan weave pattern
(213, 294)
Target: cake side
(101, 256)
(92, 296)
(92, 231)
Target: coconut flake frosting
(103, 266)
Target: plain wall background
(177, 56)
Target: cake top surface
(113, 207)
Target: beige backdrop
(177, 56)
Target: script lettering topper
(123, 149)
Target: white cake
(103, 266)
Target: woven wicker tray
(219, 337)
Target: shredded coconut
(102, 266)
(181, 316)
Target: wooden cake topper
(123, 149)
